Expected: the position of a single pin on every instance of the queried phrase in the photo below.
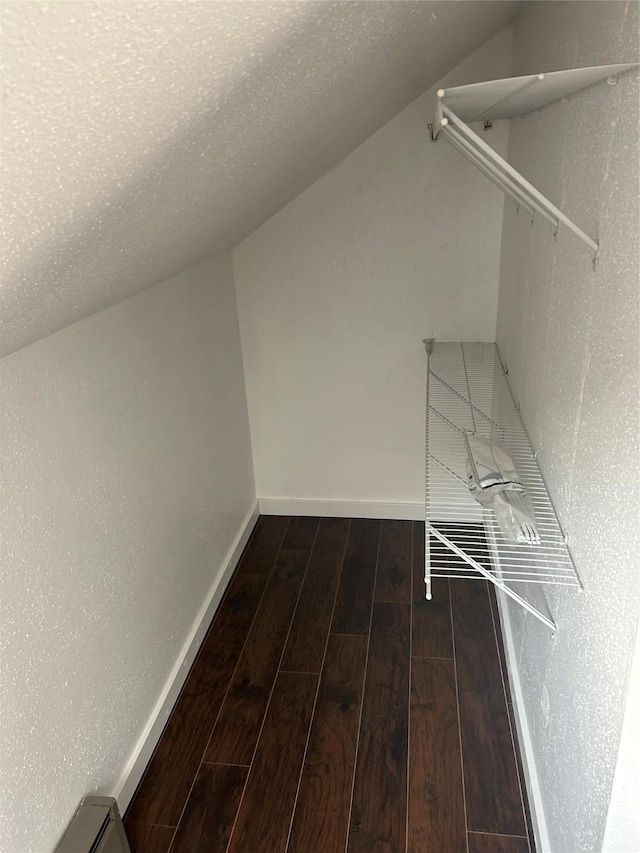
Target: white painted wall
(570, 338)
(128, 475)
(336, 292)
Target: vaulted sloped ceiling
(139, 138)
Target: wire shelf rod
(500, 179)
(542, 203)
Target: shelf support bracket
(492, 578)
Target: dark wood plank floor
(333, 710)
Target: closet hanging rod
(511, 188)
(508, 98)
(541, 203)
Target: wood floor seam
(234, 737)
(455, 673)
(505, 691)
(264, 718)
(304, 756)
(348, 633)
(495, 843)
(408, 791)
(273, 565)
(257, 610)
(262, 823)
(392, 601)
(493, 792)
(244, 788)
(315, 701)
(316, 606)
(302, 671)
(430, 657)
(168, 778)
(364, 687)
(499, 834)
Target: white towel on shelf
(495, 483)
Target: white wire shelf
(467, 390)
(506, 99)
(512, 97)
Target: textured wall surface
(622, 832)
(127, 475)
(336, 292)
(142, 137)
(570, 338)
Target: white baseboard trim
(531, 780)
(342, 509)
(128, 782)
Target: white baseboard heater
(96, 828)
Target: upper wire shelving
(509, 98)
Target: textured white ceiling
(141, 137)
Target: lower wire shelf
(467, 391)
